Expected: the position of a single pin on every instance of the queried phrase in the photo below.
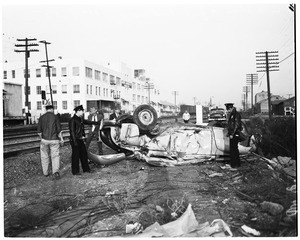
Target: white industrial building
(80, 82)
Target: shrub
(278, 136)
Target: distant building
(263, 105)
(261, 96)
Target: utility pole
(251, 79)
(48, 68)
(246, 89)
(149, 86)
(175, 93)
(27, 55)
(243, 101)
(265, 64)
(194, 98)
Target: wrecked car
(140, 135)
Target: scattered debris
(134, 228)
(250, 230)
(216, 175)
(270, 207)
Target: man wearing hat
(77, 134)
(49, 130)
(234, 126)
(94, 129)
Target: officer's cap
(49, 107)
(78, 108)
(228, 105)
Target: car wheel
(145, 117)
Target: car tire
(145, 117)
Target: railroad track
(25, 143)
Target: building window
(75, 71)
(38, 72)
(133, 97)
(97, 75)
(55, 104)
(64, 89)
(107, 92)
(88, 72)
(39, 105)
(29, 105)
(100, 91)
(54, 89)
(112, 80)
(96, 90)
(4, 74)
(53, 72)
(104, 92)
(65, 105)
(76, 103)
(138, 98)
(133, 86)
(28, 88)
(13, 73)
(118, 82)
(38, 90)
(87, 89)
(63, 71)
(91, 89)
(142, 99)
(25, 73)
(104, 77)
(76, 89)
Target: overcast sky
(199, 50)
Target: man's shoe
(76, 174)
(56, 176)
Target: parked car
(217, 114)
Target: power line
(286, 57)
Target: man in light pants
(49, 130)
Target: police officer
(77, 134)
(234, 127)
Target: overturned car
(140, 135)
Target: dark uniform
(234, 127)
(77, 134)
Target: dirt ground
(102, 203)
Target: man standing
(94, 129)
(49, 130)
(234, 127)
(186, 117)
(114, 115)
(77, 134)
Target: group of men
(50, 131)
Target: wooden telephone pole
(148, 86)
(251, 79)
(265, 63)
(48, 68)
(27, 55)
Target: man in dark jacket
(77, 134)
(94, 129)
(234, 127)
(49, 130)
(114, 115)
